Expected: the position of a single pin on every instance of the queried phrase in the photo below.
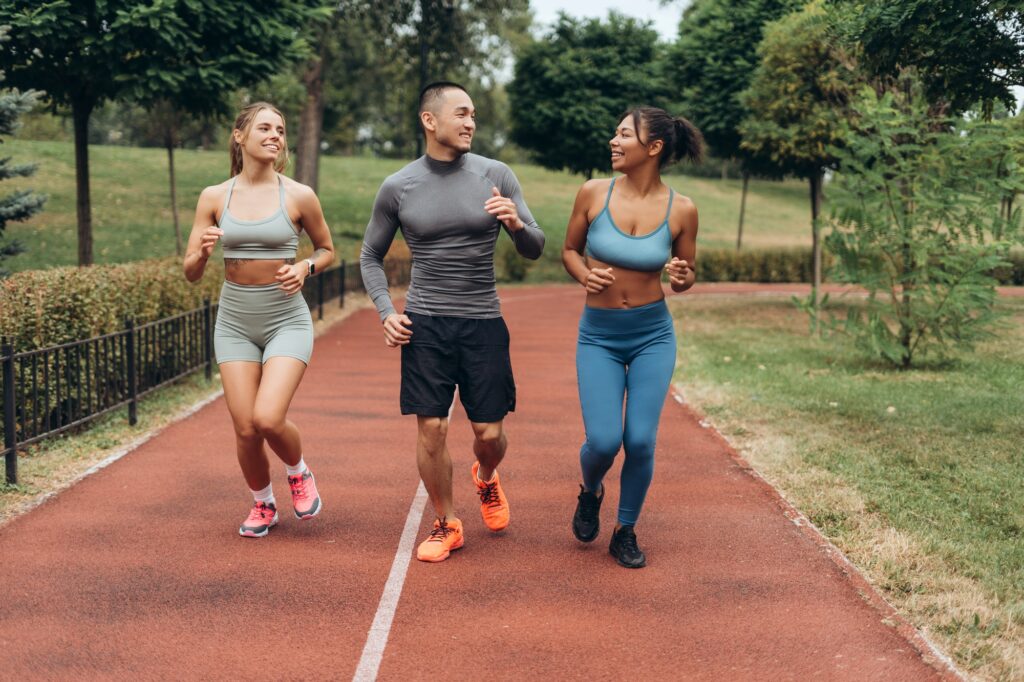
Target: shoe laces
(440, 531)
(259, 512)
(298, 486)
(626, 539)
(489, 494)
(590, 505)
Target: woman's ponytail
(689, 141)
(680, 138)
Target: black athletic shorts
(445, 352)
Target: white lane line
(377, 638)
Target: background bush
(41, 308)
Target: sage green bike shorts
(259, 322)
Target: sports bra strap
(227, 199)
(608, 198)
(280, 184)
(669, 211)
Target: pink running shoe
(305, 498)
(262, 517)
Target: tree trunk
(424, 64)
(815, 187)
(169, 143)
(80, 112)
(743, 209)
(307, 162)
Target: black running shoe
(625, 550)
(586, 522)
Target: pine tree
(24, 203)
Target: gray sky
(666, 19)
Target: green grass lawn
(132, 215)
(917, 475)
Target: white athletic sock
(298, 469)
(266, 496)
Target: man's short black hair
(433, 92)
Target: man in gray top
(451, 206)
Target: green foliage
(509, 265)
(763, 265)
(90, 52)
(797, 95)
(918, 223)
(571, 86)
(964, 50)
(22, 204)
(713, 61)
(42, 308)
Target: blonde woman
(263, 337)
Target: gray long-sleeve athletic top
(439, 206)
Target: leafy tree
(210, 69)
(918, 223)
(404, 44)
(570, 87)
(25, 203)
(964, 51)
(796, 106)
(711, 64)
(187, 51)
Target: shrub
(917, 221)
(41, 308)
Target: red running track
(137, 571)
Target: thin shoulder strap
(669, 211)
(280, 185)
(610, 188)
(227, 199)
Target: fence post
(133, 373)
(10, 436)
(320, 297)
(341, 284)
(208, 337)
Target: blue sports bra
(646, 253)
(270, 237)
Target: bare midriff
(253, 271)
(631, 288)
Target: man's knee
(490, 434)
(432, 429)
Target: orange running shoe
(444, 538)
(493, 505)
(262, 517)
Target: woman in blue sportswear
(622, 233)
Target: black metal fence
(48, 391)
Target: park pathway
(137, 571)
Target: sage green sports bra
(271, 237)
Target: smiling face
(264, 139)
(450, 122)
(628, 148)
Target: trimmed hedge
(794, 265)
(41, 308)
(768, 265)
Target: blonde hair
(243, 122)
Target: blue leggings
(623, 354)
